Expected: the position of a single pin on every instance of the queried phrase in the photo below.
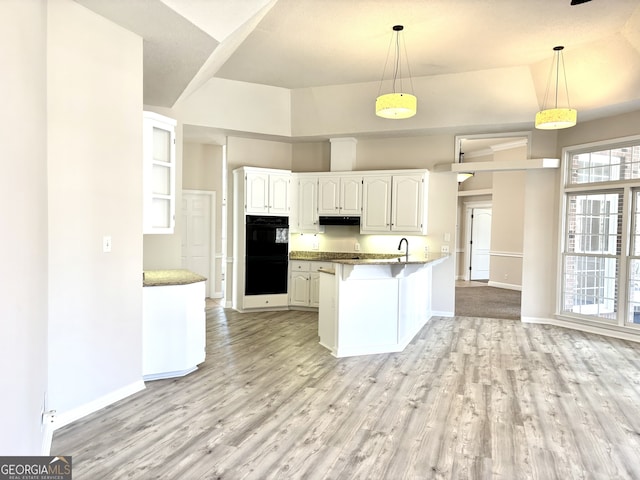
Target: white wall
(23, 209)
(94, 91)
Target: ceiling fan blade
(578, 2)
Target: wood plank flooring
(469, 398)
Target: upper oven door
(267, 235)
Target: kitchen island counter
(372, 306)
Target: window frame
(627, 188)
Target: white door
(196, 234)
(480, 243)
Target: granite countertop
(156, 278)
(402, 260)
(358, 258)
(331, 256)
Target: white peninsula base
(373, 308)
(174, 326)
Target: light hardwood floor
(469, 398)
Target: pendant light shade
(398, 104)
(556, 118)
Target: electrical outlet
(426, 251)
(315, 243)
(444, 249)
(356, 247)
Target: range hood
(338, 220)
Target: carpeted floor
(490, 302)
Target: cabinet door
(279, 193)
(314, 290)
(329, 195)
(159, 173)
(256, 192)
(407, 203)
(351, 195)
(299, 289)
(308, 204)
(376, 204)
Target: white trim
(496, 253)
(506, 165)
(506, 286)
(603, 330)
(480, 191)
(55, 421)
(442, 313)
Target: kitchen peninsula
(372, 306)
(173, 323)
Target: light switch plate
(106, 243)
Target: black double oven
(267, 255)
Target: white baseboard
(583, 327)
(59, 420)
(508, 286)
(442, 313)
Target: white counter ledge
(374, 305)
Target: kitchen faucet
(407, 246)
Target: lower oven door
(266, 275)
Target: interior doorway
(198, 240)
(480, 244)
(477, 258)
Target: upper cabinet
(395, 203)
(304, 217)
(267, 192)
(340, 195)
(159, 173)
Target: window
(601, 245)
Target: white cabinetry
(159, 173)
(174, 330)
(304, 282)
(340, 195)
(304, 217)
(267, 192)
(395, 203)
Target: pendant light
(556, 118)
(398, 104)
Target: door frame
(469, 206)
(212, 238)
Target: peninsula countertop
(157, 278)
(358, 258)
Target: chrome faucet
(407, 246)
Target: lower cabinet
(304, 282)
